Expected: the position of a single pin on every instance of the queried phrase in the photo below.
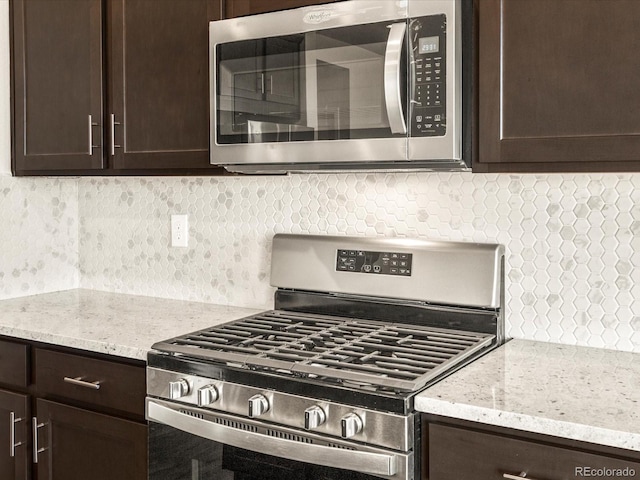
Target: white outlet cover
(179, 230)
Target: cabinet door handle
(113, 134)
(521, 476)
(82, 383)
(12, 434)
(91, 125)
(36, 426)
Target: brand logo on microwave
(319, 16)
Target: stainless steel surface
(91, 145)
(382, 429)
(350, 425)
(311, 19)
(402, 153)
(389, 356)
(446, 273)
(392, 78)
(281, 442)
(178, 388)
(207, 395)
(113, 134)
(36, 449)
(314, 417)
(258, 405)
(517, 477)
(83, 383)
(12, 434)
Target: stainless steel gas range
(322, 387)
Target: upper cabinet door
(238, 8)
(158, 90)
(558, 85)
(57, 87)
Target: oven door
(187, 443)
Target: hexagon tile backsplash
(38, 235)
(573, 241)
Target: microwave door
(333, 85)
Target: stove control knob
(178, 389)
(351, 425)
(314, 417)
(258, 405)
(207, 395)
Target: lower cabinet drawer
(98, 382)
(461, 454)
(13, 363)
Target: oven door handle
(364, 462)
(392, 78)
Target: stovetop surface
(352, 353)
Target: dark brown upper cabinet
(57, 85)
(111, 86)
(558, 86)
(239, 8)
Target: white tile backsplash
(573, 244)
(38, 235)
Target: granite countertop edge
(572, 392)
(116, 324)
(530, 423)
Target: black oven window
(177, 455)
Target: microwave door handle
(392, 77)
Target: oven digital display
(377, 263)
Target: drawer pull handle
(521, 476)
(81, 383)
(12, 434)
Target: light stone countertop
(580, 393)
(111, 323)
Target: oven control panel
(244, 404)
(379, 263)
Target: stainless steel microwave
(361, 84)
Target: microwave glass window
(322, 85)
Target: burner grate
(402, 357)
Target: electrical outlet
(179, 230)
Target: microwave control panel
(381, 263)
(428, 68)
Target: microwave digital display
(428, 45)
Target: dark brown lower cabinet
(70, 415)
(77, 444)
(15, 447)
(456, 453)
